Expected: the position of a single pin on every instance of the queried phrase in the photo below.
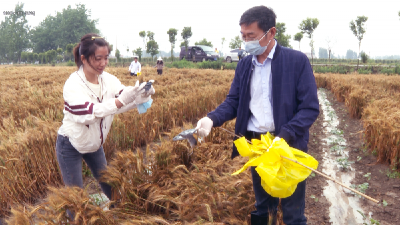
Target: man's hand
(204, 126)
(273, 141)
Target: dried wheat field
(155, 180)
(171, 186)
(374, 99)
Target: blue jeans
(292, 206)
(70, 163)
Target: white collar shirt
(135, 67)
(261, 119)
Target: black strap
(256, 135)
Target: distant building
(308, 54)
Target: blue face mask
(254, 47)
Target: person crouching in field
(91, 99)
(159, 66)
(135, 66)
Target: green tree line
(51, 41)
(54, 38)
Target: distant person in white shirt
(135, 67)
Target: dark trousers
(134, 74)
(70, 163)
(292, 206)
(159, 72)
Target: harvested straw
(182, 187)
(165, 187)
(31, 112)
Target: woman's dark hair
(160, 62)
(87, 47)
(264, 16)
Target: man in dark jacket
(240, 53)
(273, 90)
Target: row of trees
(50, 56)
(307, 26)
(280, 36)
(151, 46)
(236, 42)
(43, 57)
(68, 26)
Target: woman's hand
(129, 94)
(145, 96)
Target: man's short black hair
(264, 16)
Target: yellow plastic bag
(279, 176)
(139, 73)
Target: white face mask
(254, 47)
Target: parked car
(198, 53)
(232, 56)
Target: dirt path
(328, 203)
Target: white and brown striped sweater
(87, 118)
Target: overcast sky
(120, 21)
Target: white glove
(142, 98)
(204, 126)
(130, 93)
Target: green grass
(354, 61)
(344, 163)
(332, 69)
(181, 64)
(389, 71)
(393, 174)
(370, 69)
(364, 70)
(216, 65)
(70, 63)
